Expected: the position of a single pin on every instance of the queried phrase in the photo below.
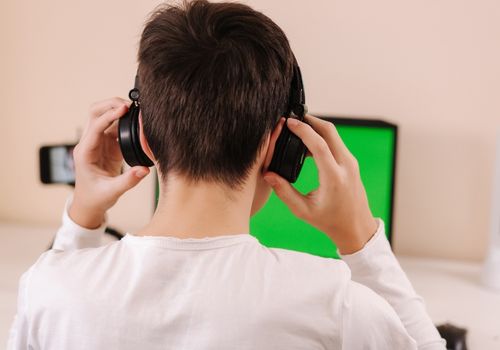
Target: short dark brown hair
(214, 78)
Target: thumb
(130, 178)
(288, 194)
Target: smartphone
(56, 164)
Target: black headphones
(128, 132)
(289, 152)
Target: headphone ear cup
(289, 155)
(129, 138)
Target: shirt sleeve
(369, 322)
(19, 331)
(71, 236)
(376, 267)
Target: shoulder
(365, 312)
(58, 271)
(319, 274)
(305, 263)
(79, 257)
(308, 289)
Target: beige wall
(430, 66)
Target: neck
(197, 210)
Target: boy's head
(215, 79)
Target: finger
(99, 108)
(293, 199)
(318, 147)
(328, 131)
(112, 131)
(95, 137)
(272, 142)
(129, 179)
(98, 126)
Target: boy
(215, 79)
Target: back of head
(215, 78)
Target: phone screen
(57, 165)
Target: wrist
(86, 217)
(355, 240)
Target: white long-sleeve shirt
(227, 292)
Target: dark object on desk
(454, 336)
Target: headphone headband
(297, 101)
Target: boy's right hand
(99, 181)
(339, 206)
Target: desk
(453, 293)
(450, 289)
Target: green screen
(373, 146)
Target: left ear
(144, 143)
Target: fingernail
(293, 122)
(141, 173)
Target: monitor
(373, 143)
